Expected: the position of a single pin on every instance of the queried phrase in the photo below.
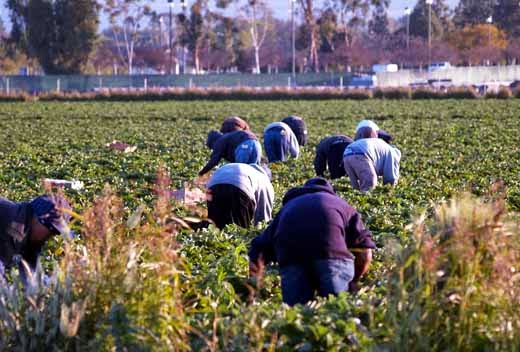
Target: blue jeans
(248, 152)
(327, 276)
(276, 145)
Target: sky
(280, 8)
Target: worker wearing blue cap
(25, 227)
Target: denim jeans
(248, 152)
(276, 145)
(300, 282)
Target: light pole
(489, 21)
(407, 12)
(170, 36)
(184, 6)
(293, 39)
(429, 3)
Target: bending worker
(240, 194)
(26, 227)
(235, 147)
(297, 125)
(329, 152)
(369, 157)
(279, 141)
(319, 241)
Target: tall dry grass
(458, 287)
(118, 288)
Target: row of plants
(444, 276)
(223, 94)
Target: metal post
(341, 83)
(408, 12)
(58, 85)
(7, 88)
(429, 2)
(289, 84)
(170, 38)
(184, 7)
(145, 85)
(293, 29)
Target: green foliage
(145, 285)
(62, 33)
(470, 12)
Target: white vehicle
(439, 66)
(385, 68)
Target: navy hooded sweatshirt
(314, 223)
(299, 128)
(329, 152)
(15, 226)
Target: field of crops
(202, 298)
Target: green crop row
(151, 286)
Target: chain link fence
(86, 83)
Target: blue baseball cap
(52, 212)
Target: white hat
(367, 123)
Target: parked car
(385, 68)
(439, 66)
(515, 85)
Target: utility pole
(293, 39)
(407, 12)
(170, 36)
(429, 3)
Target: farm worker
(329, 152)
(387, 137)
(234, 123)
(279, 141)
(25, 228)
(369, 157)
(319, 241)
(299, 128)
(235, 147)
(240, 194)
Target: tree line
(64, 36)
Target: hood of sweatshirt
(314, 185)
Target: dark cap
(52, 211)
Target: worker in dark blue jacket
(319, 241)
(297, 125)
(26, 226)
(329, 152)
(235, 147)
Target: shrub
(423, 93)
(392, 93)
(457, 287)
(502, 93)
(461, 93)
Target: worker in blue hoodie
(279, 142)
(235, 147)
(319, 241)
(25, 227)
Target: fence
(80, 83)
(457, 76)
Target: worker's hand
(256, 267)
(353, 286)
